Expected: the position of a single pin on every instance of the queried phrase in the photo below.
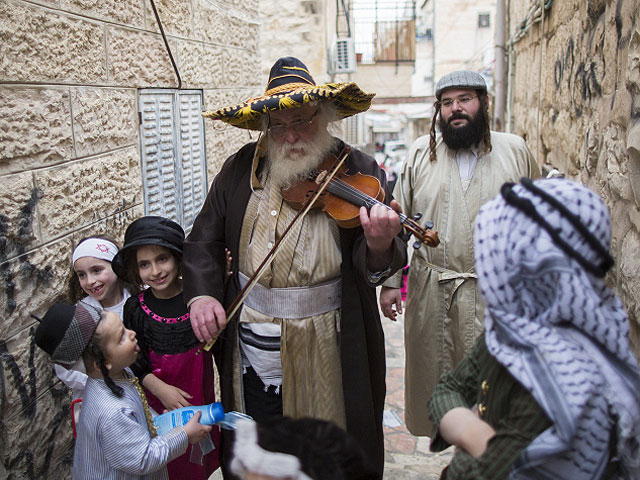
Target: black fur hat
(148, 230)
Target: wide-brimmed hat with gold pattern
(291, 85)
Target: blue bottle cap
(216, 411)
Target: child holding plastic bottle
(116, 437)
(169, 366)
(92, 280)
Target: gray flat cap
(461, 79)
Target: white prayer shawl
(560, 332)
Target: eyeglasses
(301, 126)
(462, 100)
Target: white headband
(96, 248)
(248, 456)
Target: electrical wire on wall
(166, 43)
(535, 14)
(542, 52)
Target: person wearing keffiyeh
(552, 389)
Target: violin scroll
(423, 235)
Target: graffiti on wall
(581, 66)
(31, 464)
(633, 77)
(18, 243)
(118, 219)
(579, 70)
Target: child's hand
(195, 430)
(172, 397)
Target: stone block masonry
(70, 165)
(576, 99)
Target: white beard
(290, 163)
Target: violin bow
(239, 300)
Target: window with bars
(172, 145)
(350, 130)
(484, 20)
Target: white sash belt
(445, 275)
(294, 302)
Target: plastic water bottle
(212, 414)
(230, 419)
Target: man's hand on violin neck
(208, 318)
(380, 226)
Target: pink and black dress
(168, 349)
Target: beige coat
(444, 311)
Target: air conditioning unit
(342, 56)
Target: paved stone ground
(406, 457)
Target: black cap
(66, 330)
(53, 326)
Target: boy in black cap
(116, 436)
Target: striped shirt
(113, 440)
(510, 410)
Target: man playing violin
(308, 339)
(448, 177)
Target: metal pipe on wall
(500, 72)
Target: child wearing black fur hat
(116, 436)
(169, 366)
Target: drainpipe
(433, 50)
(500, 72)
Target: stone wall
(70, 165)
(386, 80)
(299, 28)
(576, 99)
(460, 43)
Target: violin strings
(346, 191)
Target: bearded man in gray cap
(447, 177)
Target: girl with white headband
(92, 281)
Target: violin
(340, 196)
(345, 194)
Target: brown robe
(361, 338)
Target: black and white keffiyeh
(552, 322)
